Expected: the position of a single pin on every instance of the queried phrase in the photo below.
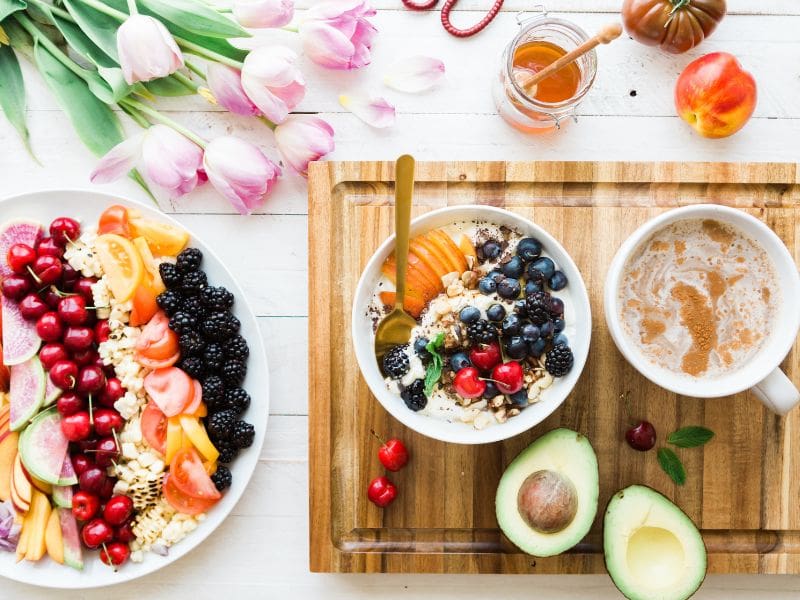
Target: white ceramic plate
(86, 206)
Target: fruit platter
(134, 390)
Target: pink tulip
(226, 86)
(260, 14)
(302, 139)
(272, 81)
(337, 35)
(166, 159)
(240, 171)
(146, 49)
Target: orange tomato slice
(122, 264)
(151, 364)
(164, 239)
(114, 220)
(154, 427)
(157, 341)
(171, 389)
(144, 303)
(184, 503)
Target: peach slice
(467, 247)
(414, 279)
(449, 247)
(40, 511)
(430, 246)
(8, 452)
(419, 247)
(413, 304)
(54, 539)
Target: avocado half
(653, 551)
(547, 498)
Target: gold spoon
(395, 328)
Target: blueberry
(537, 348)
(529, 249)
(469, 314)
(558, 325)
(511, 325)
(546, 329)
(558, 281)
(521, 308)
(487, 286)
(514, 268)
(520, 398)
(544, 265)
(496, 275)
(557, 306)
(419, 348)
(509, 288)
(516, 347)
(496, 313)
(491, 250)
(530, 332)
(491, 390)
(560, 339)
(459, 361)
(532, 287)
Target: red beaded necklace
(448, 6)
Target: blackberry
(191, 343)
(414, 395)
(220, 326)
(222, 478)
(169, 275)
(193, 366)
(217, 298)
(233, 372)
(220, 425)
(236, 347)
(189, 260)
(194, 306)
(481, 332)
(227, 451)
(395, 362)
(193, 282)
(237, 400)
(243, 434)
(559, 360)
(538, 307)
(213, 391)
(182, 322)
(213, 358)
(169, 301)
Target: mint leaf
(434, 370)
(672, 465)
(690, 437)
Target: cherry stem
(377, 437)
(36, 278)
(626, 400)
(91, 411)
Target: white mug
(761, 372)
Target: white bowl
(578, 318)
(86, 205)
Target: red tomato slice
(192, 407)
(114, 220)
(144, 303)
(171, 389)
(157, 341)
(182, 502)
(157, 364)
(189, 475)
(154, 427)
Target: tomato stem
(676, 6)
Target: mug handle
(777, 392)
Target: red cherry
(68, 277)
(108, 488)
(118, 509)
(508, 377)
(32, 307)
(486, 356)
(106, 452)
(51, 353)
(81, 463)
(51, 297)
(381, 491)
(86, 357)
(47, 270)
(92, 480)
(64, 374)
(96, 532)
(48, 247)
(468, 383)
(124, 533)
(107, 420)
(87, 445)
(84, 287)
(78, 338)
(64, 230)
(642, 436)
(115, 554)
(393, 454)
(15, 287)
(91, 380)
(112, 392)
(49, 327)
(20, 257)
(70, 403)
(85, 505)
(72, 310)
(101, 331)
(76, 427)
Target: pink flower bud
(226, 86)
(272, 81)
(337, 35)
(260, 14)
(240, 171)
(302, 139)
(146, 49)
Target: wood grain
(740, 486)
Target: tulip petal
(170, 160)
(146, 49)
(302, 139)
(272, 81)
(119, 160)
(226, 86)
(377, 112)
(262, 14)
(414, 74)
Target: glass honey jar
(553, 102)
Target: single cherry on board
(392, 453)
(381, 492)
(642, 436)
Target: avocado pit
(547, 501)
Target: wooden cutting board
(743, 489)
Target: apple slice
(8, 452)
(449, 247)
(53, 538)
(414, 305)
(42, 486)
(40, 511)
(21, 488)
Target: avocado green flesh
(653, 551)
(570, 455)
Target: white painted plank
(286, 341)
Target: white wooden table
(261, 551)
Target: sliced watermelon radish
(73, 555)
(27, 393)
(20, 341)
(43, 447)
(16, 232)
(51, 392)
(68, 476)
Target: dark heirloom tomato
(674, 25)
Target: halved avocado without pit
(653, 551)
(547, 497)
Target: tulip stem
(54, 9)
(195, 69)
(206, 53)
(185, 81)
(157, 116)
(267, 122)
(42, 39)
(292, 28)
(132, 8)
(106, 10)
(136, 116)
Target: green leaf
(672, 465)
(167, 86)
(8, 7)
(690, 437)
(196, 17)
(20, 40)
(434, 370)
(98, 27)
(12, 93)
(95, 123)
